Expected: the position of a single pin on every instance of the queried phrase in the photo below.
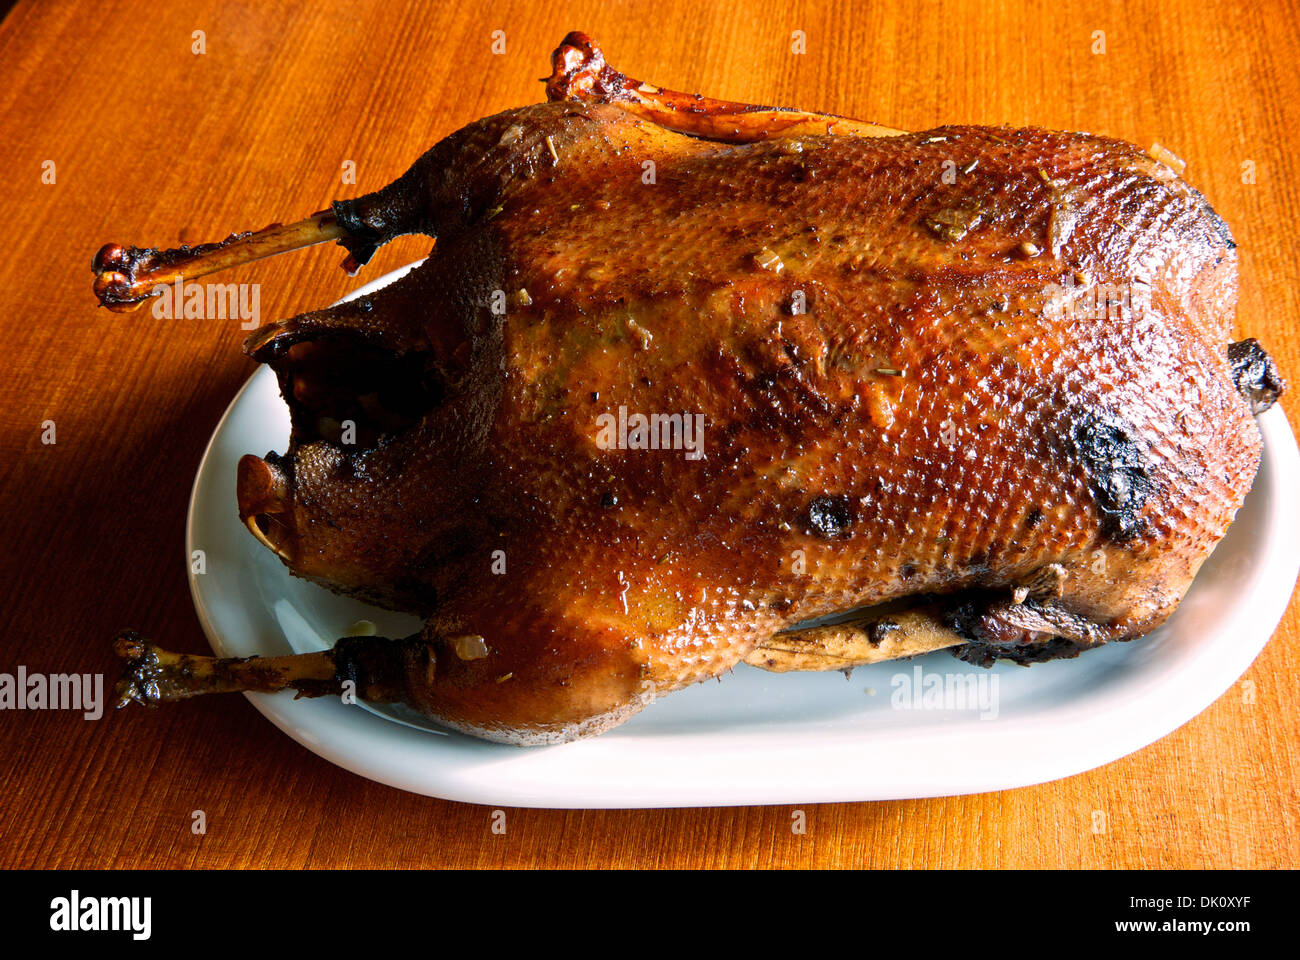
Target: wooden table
(151, 142)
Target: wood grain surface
(155, 144)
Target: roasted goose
(681, 375)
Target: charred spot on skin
(964, 618)
(365, 227)
(1118, 474)
(608, 500)
(376, 674)
(353, 466)
(994, 636)
(1217, 223)
(1255, 375)
(280, 462)
(879, 630)
(829, 517)
(1033, 518)
(1057, 648)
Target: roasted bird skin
(986, 376)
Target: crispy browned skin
(892, 405)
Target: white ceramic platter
(755, 737)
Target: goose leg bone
(580, 73)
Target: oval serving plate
(754, 737)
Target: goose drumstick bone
(125, 277)
(382, 670)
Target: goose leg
(580, 73)
(855, 643)
(377, 668)
(125, 277)
(1025, 627)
